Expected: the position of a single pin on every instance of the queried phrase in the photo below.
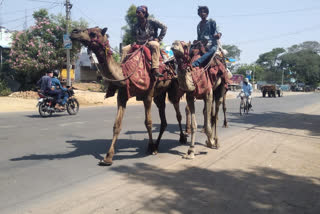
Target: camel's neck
(109, 67)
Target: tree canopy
(131, 20)
(40, 48)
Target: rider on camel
(207, 31)
(146, 31)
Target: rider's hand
(217, 36)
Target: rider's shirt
(247, 89)
(150, 32)
(207, 31)
(45, 84)
(56, 84)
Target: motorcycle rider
(46, 88)
(57, 85)
(247, 89)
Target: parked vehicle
(272, 90)
(46, 105)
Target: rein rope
(106, 46)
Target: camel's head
(93, 38)
(180, 49)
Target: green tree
(233, 51)
(308, 45)
(304, 66)
(257, 71)
(39, 48)
(131, 20)
(270, 62)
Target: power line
(18, 11)
(312, 28)
(250, 14)
(26, 17)
(52, 2)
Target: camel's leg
(225, 122)
(183, 137)
(191, 151)
(160, 102)
(148, 123)
(188, 120)
(208, 102)
(203, 130)
(218, 98)
(175, 100)
(121, 102)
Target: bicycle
(244, 103)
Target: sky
(254, 26)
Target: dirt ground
(88, 95)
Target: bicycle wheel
(241, 107)
(246, 108)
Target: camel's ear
(189, 45)
(104, 30)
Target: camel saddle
(216, 67)
(137, 66)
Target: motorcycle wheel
(43, 110)
(72, 106)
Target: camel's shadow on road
(125, 148)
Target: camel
(224, 108)
(97, 41)
(214, 96)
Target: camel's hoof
(152, 149)
(104, 163)
(210, 145)
(225, 126)
(183, 139)
(188, 156)
(217, 146)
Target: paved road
(41, 158)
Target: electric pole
(68, 8)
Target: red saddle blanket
(201, 82)
(204, 80)
(137, 68)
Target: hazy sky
(255, 26)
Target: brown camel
(97, 41)
(224, 108)
(214, 96)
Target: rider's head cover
(56, 73)
(246, 80)
(143, 9)
(205, 8)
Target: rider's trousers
(155, 52)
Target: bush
(4, 90)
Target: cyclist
(247, 89)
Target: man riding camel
(207, 31)
(146, 31)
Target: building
(85, 71)
(5, 42)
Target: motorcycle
(46, 104)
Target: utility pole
(68, 8)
